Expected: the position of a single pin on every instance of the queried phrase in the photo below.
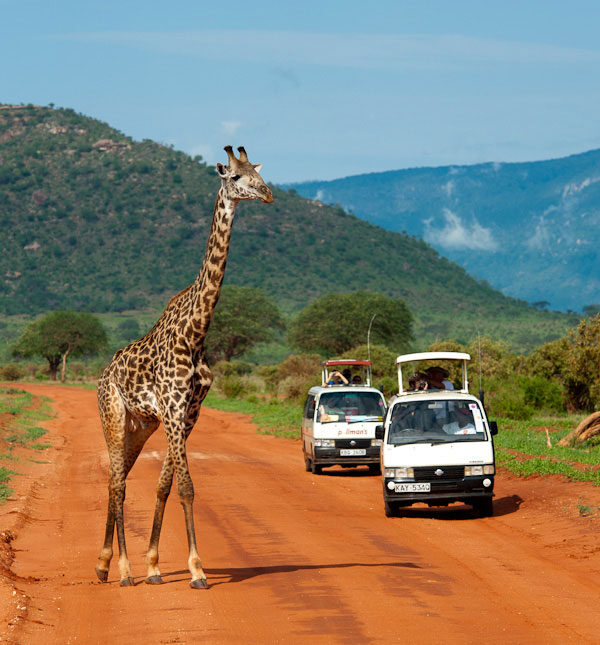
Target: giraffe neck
(207, 286)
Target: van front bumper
(443, 492)
(333, 456)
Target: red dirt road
(290, 557)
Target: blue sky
(318, 90)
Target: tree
(61, 334)
(582, 373)
(337, 322)
(243, 317)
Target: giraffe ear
(221, 170)
(257, 167)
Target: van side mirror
(493, 428)
(378, 432)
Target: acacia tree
(61, 334)
(337, 322)
(243, 317)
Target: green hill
(95, 221)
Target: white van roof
(434, 356)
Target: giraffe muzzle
(267, 197)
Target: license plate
(412, 488)
(353, 452)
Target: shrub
(542, 394)
(233, 386)
(296, 387)
(506, 399)
(11, 372)
(228, 368)
(300, 365)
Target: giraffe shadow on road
(228, 575)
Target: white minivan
(437, 443)
(339, 420)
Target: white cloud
(448, 187)
(541, 238)
(457, 235)
(230, 127)
(367, 51)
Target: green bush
(506, 399)
(233, 387)
(542, 394)
(11, 372)
(228, 368)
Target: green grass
(20, 429)
(535, 458)
(272, 416)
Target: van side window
(309, 407)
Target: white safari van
(437, 443)
(339, 420)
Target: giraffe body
(164, 377)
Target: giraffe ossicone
(164, 377)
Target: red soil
(290, 557)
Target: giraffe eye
(235, 177)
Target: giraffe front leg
(186, 495)
(162, 494)
(124, 567)
(107, 550)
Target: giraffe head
(240, 178)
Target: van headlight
(399, 473)
(376, 442)
(486, 469)
(324, 443)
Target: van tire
(315, 469)
(390, 509)
(374, 469)
(484, 506)
(307, 464)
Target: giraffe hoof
(102, 575)
(201, 583)
(154, 580)
(127, 582)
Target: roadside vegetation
(20, 414)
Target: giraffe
(164, 377)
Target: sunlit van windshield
(350, 406)
(436, 421)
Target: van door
(308, 420)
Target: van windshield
(350, 406)
(438, 421)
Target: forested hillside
(530, 229)
(95, 221)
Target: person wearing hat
(438, 378)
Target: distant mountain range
(92, 220)
(531, 230)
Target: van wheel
(484, 507)
(307, 464)
(314, 469)
(374, 469)
(390, 509)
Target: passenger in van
(418, 381)
(356, 380)
(438, 378)
(337, 378)
(460, 422)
